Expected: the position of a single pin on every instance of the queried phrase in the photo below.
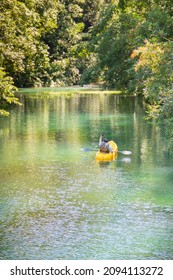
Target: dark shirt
(105, 147)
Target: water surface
(57, 202)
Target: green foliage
(165, 121)
(23, 56)
(68, 50)
(7, 90)
(44, 41)
(113, 41)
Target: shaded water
(57, 202)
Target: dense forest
(119, 44)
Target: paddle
(127, 153)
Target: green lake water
(58, 202)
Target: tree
(69, 53)
(44, 41)
(23, 55)
(155, 62)
(112, 40)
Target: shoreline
(88, 89)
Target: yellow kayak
(108, 156)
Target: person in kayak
(104, 145)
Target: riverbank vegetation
(122, 45)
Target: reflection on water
(57, 202)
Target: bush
(7, 90)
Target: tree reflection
(77, 119)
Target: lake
(58, 202)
